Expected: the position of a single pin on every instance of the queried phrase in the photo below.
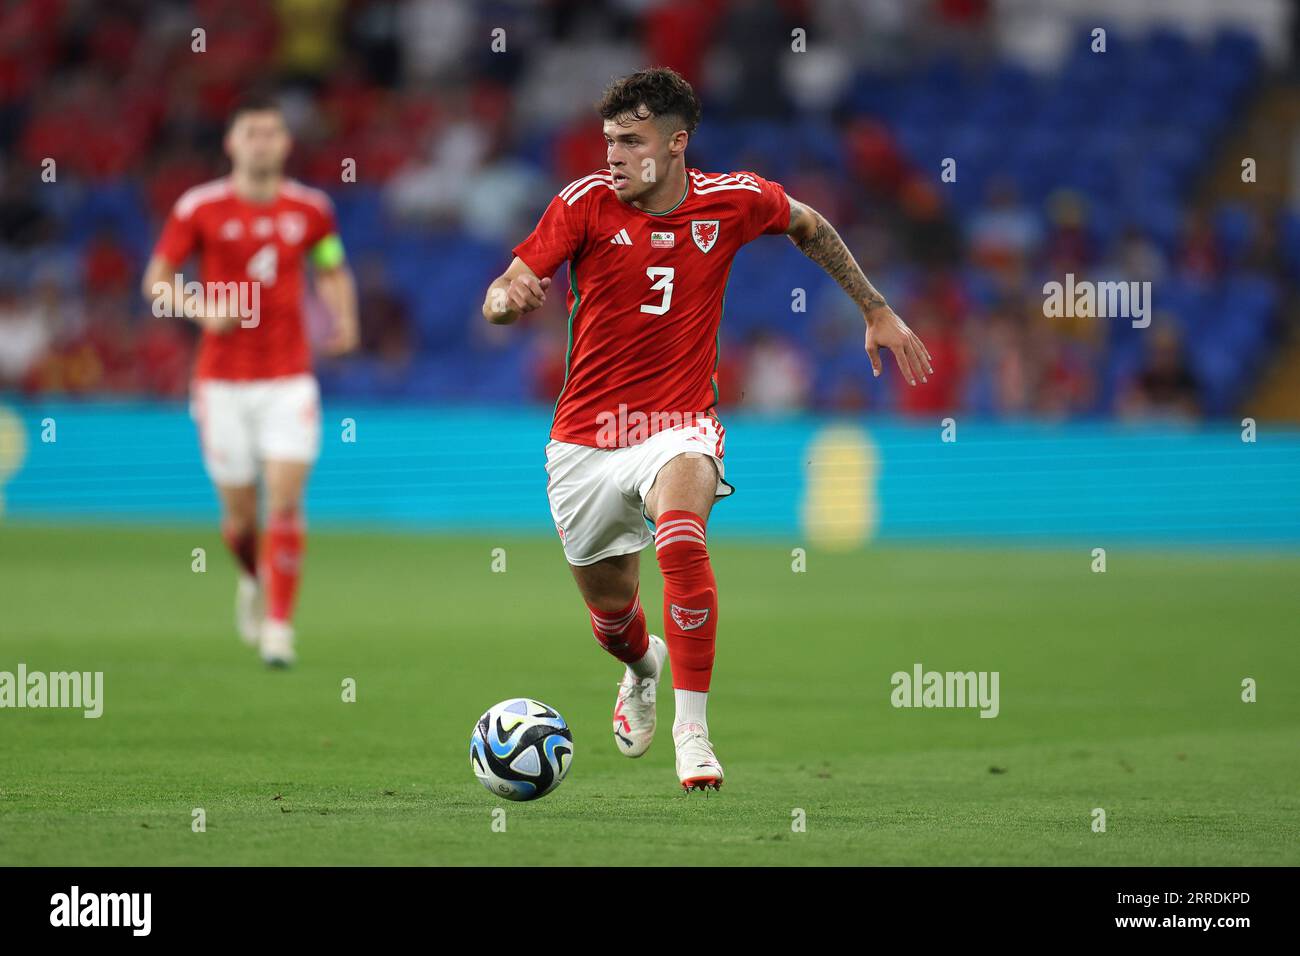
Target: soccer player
(649, 242)
(254, 397)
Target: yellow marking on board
(840, 509)
(13, 449)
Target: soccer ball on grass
(521, 749)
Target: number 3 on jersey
(664, 283)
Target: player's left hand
(886, 330)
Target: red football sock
(622, 633)
(281, 560)
(242, 546)
(690, 598)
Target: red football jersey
(645, 295)
(241, 241)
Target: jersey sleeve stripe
(313, 197)
(710, 180)
(725, 186)
(196, 196)
(568, 190)
(588, 188)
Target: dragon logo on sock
(688, 618)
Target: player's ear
(677, 142)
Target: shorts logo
(687, 618)
(560, 532)
(705, 233)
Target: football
(521, 749)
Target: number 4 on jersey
(264, 266)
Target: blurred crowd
(463, 118)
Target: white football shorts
(597, 495)
(244, 423)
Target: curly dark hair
(658, 93)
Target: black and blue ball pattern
(521, 749)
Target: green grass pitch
(1119, 690)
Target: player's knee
(283, 499)
(239, 514)
(688, 482)
(283, 512)
(606, 591)
(238, 524)
(609, 594)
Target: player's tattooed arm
(818, 240)
(516, 291)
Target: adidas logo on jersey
(622, 238)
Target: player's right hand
(526, 293)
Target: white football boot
(634, 708)
(277, 643)
(697, 767)
(248, 609)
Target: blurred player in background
(254, 397)
(649, 242)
